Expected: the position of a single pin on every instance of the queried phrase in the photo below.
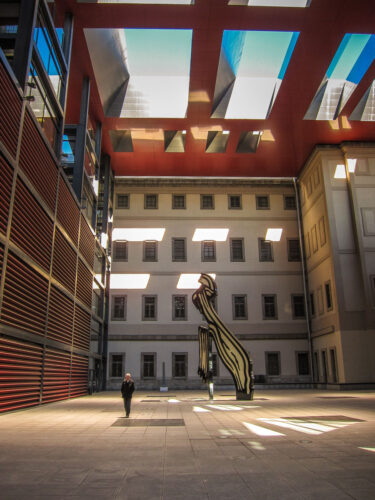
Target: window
(237, 253)
(289, 202)
(265, 250)
(119, 307)
(239, 306)
(322, 232)
(122, 201)
(178, 201)
(303, 367)
(234, 202)
(179, 308)
(273, 363)
(324, 366)
(149, 307)
(314, 239)
(148, 365)
(207, 201)
(120, 250)
(332, 354)
(150, 251)
(372, 284)
(316, 366)
(208, 251)
(320, 300)
(327, 288)
(262, 202)
(312, 304)
(116, 365)
(269, 306)
(307, 245)
(179, 249)
(179, 365)
(151, 201)
(294, 253)
(298, 306)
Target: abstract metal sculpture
(229, 349)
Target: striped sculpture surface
(229, 349)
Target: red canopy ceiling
(321, 26)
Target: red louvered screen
(60, 317)
(37, 163)
(1, 259)
(56, 375)
(25, 297)
(82, 326)
(32, 229)
(20, 374)
(10, 112)
(67, 211)
(6, 176)
(79, 379)
(87, 242)
(84, 284)
(64, 262)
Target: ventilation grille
(67, 211)
(56, 375)
(82, 323)
(64, 262)
(20, 374)
(84, 284)
(10, 112)
(6, 175)
(25, 297)
(79, 380)
(32, 229)
(87, 242)
(37, 163)
(60, 317)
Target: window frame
(122, 354)
(234, 297)
(328, 298)
(267, 353)
(204, 245)
(257, 200)
(293, 297)
(230, 206)
(113, 317)
(290, 196)
(186, 364)
(143, 376)
(262, 241)
(174, 196)
(146, 196)
(174, 297)
(312, 304)
(232, 259)
(265, 317)
(117, 201)
(290, 257)
(114, 245)
(298, 353)
(212, 207)
(155, 243)
(144, 297)
(174, 259)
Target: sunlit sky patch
(348, 66)
(255, 63)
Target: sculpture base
(244, 396)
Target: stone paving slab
(295, 445)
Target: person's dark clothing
(127, 389)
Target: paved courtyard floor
(178, 445)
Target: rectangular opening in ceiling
(351, 61)
(251, 68)
(147, 71)
(271, 3)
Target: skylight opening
(271, 3)
(251, 69)
(212, 234)
(351, 61)
(190, 281)
(129, 281)
(143, 77)
(138, 234)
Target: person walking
(127, 389)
